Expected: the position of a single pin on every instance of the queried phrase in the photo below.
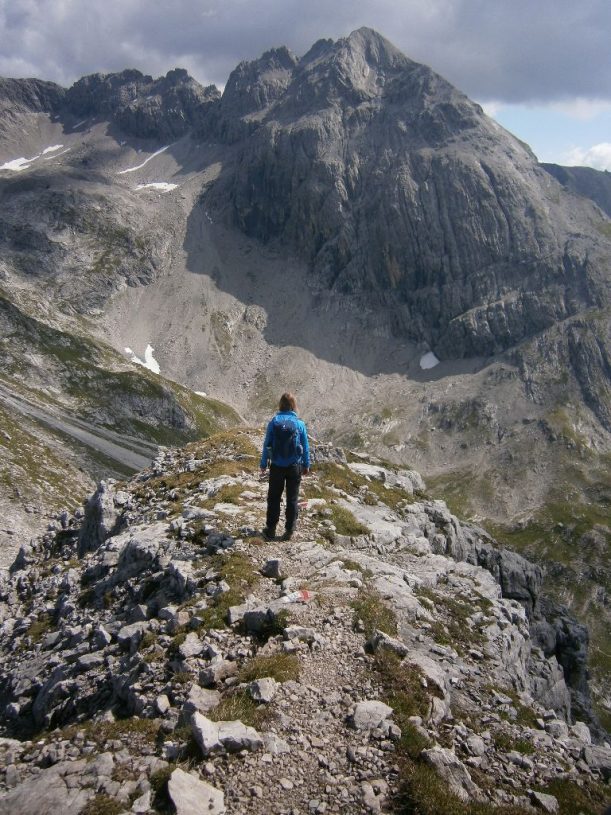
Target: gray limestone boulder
(232, 737)
(217, 671)
(545, 802)
(46, 795)
(102, 518)
(200, 700)
(235, 736)
(380, 640)
(129, 636)
(370, 714)
(263, 690)
(191, 796)
(598, 758)
(453, 771)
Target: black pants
(278, 477)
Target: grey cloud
(523, 51)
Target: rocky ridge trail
(153, 661)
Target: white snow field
(19, 164)
(162, 186)
(429, 360)
(149, 360)
(146, 161)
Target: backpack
(285, 440)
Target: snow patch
(162, 186)
(18, 164)
(146, 161)
(149, 360)
(429, 360)
(57, 155)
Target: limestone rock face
(165, 108)
(394, 184)
(101, 518)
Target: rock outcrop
(131, 650)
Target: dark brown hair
(287, 402)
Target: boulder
(263, 690)
(191, 796)
(545, 802)
(102, 518)
(369, 714)
(200, 700)
(453, 771)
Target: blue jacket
(303, 439)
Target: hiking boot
(288, 534)
(269, 534)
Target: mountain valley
(346, 225)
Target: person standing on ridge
(287, 452)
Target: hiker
(287, 452)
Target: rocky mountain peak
(253, 87)
(386, 644)
(34, 95)
(164, 108)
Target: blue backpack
(285, 440)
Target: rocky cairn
(159, 656)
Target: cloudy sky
(542, 68)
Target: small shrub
(149, 639)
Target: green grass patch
(423, 792)
(505, 742)
(240, 574)
(587, 800)
(103, 804)
(455, 629)
(604, 228)
(345, 523)
(373, 613)
(281, 667)
(229, 494)
(239, 705)
(39, 628)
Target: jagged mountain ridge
(377, 232)
(156, 631)
(389, 181)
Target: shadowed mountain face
(393, 185)
(585, 181)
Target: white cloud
(492, 108)
(583, 109)
(597, 156)
(516, 52)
